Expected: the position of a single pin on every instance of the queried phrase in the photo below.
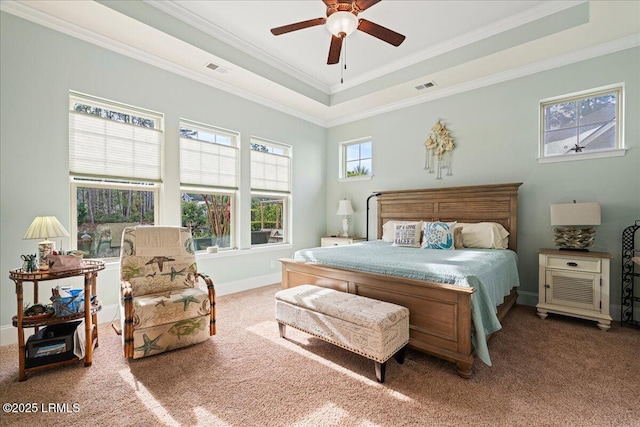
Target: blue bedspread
(492, 272)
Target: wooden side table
(90, 272)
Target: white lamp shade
(575, 214)
(344, 208)
(341, 23)
(44, 227)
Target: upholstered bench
(374, 329)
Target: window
(104, 209)
(270, 192)
(582, 125)
(115, 160)
(355, 159)
(209, 183)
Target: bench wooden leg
(282, 327)
(399, 356)
(380, 369)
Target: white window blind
(104, 147)
(208, 156)
(270, 167)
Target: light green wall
(496, 134)
(495, 130)
(39, 67)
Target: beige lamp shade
(44, 227)
(575, 214)
(344, 208)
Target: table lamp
(572, 215)
(344, 208)
(44, 227)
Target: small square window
(578, 124)
(356, 159)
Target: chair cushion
(170, 336)
(157, 259)
(169, 306)
(151, 274)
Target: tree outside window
(103, 213)
(208, 216)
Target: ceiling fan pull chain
(344, 42)
(344, 60)
(345, 53)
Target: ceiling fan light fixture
(342, 24)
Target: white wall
(496, 135)
(40, 66)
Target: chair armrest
(212, 302)
(126, 294)
(206, 279)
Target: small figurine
(29, 263)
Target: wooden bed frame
(440, 314)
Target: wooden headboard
(476, 203)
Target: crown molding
(477, 35)
(629, 42)
(23, 11)
(179, 12)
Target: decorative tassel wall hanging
(439, 146)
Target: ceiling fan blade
(365, 4)
(334, 50)
(330, 2)
(381, 32)
(297, 26)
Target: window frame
(286, 195)
(212, 189)
(618, 150)
(343, 146)
(138, 179)
(87, 182)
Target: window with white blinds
(208, 156)
(270, 192)
(270, 166)
(111, 140)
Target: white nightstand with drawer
(574, 284)
(339, 241)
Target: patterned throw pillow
(407, 235)
(438, 235)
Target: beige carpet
(553, 372)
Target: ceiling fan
(341, 21)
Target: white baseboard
(109, 313)
(9, 334)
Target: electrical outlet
(273, 264)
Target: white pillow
(389, 229)
(407, 235)
(484, 235)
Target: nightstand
(574, 284)
(339, 241)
